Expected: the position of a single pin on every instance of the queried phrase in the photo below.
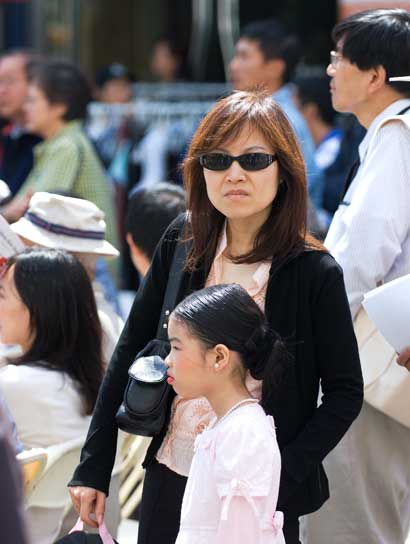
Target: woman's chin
(238, 213)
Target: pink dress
(233, 483)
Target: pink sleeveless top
(190, 417)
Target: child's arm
(247, 471)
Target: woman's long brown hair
(284, 233)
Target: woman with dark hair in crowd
(65, 161)
(247, 203)
(47, 306)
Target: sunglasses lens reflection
(255, 161)
(248, 161)
(216, 161)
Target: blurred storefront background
(103, 31)
(95, 33)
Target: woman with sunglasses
(247, 200)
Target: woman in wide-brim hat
(77, 226)
(73, 224)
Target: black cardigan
(306, 303)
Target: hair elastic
(259, 338)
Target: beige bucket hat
(64, 222)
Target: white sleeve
(247, 473)
(242, 526)
(16, 392)
(247, 459)
(377, 220)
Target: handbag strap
(172, 290)
(105, 536)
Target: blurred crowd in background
(90, 163)
(119, 136)
(103, 155)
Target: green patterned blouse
(68, 163)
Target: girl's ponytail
(267, 358)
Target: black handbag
(147, 395)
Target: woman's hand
(403, 358)
(86, 501)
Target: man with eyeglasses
(369, 471)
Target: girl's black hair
(226, 314)
(58, 294)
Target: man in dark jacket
(16, 145)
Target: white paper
(388, 307)
(10, 243)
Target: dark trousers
(161, 503)
(161, 508)
(291, 531)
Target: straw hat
(63, 222)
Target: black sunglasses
(248, 161)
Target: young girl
(217, 335)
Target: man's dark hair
(63, 83)
(314, 89)
(149, 213)
(113, 71)
(379, 37)
(275, 42)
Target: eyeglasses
(335, 59)
(248, 161)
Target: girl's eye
(175, 348)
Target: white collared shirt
(370, 232)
